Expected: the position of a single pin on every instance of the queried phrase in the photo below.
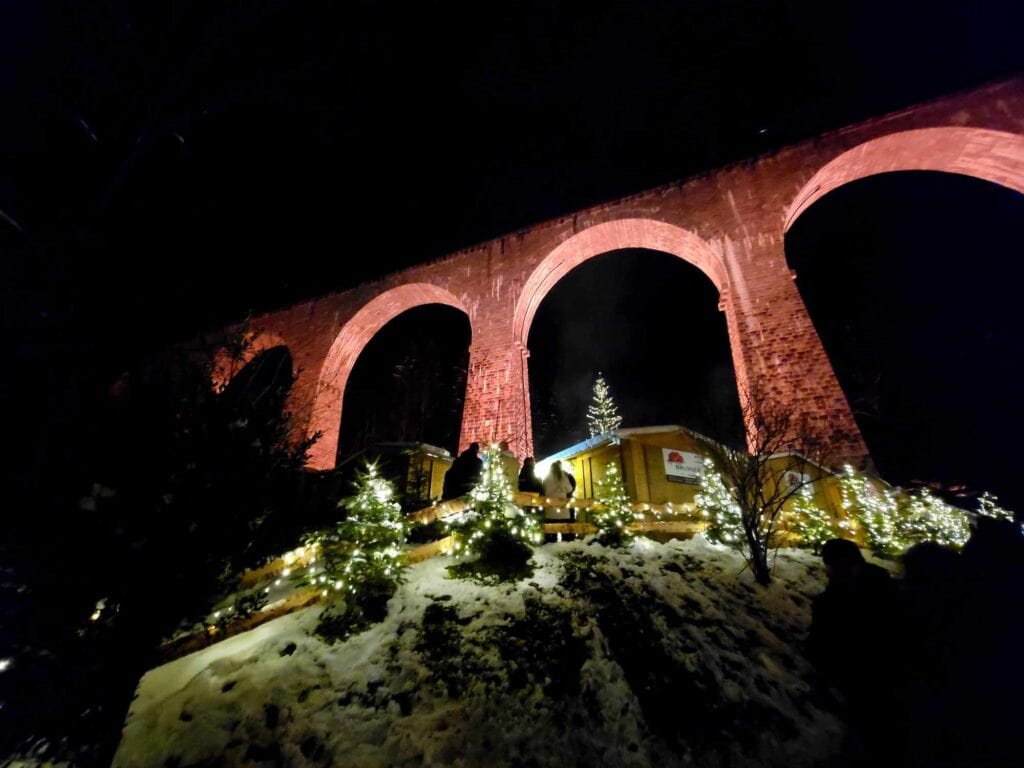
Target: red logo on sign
(676, 457)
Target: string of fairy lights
(370, 543)
(615, 512)
(888, 520)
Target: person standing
(464, 473)
(557, 484)
(528, 480)
(509, 464)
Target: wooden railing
(445, 509)
(663, 519)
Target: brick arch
(651, 234)
(995, 156)
(353, 336)
(618, 234)
(740, 210)
(226, 366)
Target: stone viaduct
(730, 223)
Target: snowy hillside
(660, 654)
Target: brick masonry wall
(730, 223)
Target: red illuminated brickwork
(730, 223)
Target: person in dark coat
(989, 676)
(855, 640)
(464, 473)
(528, 480)
(932, 601)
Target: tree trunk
(759, 560)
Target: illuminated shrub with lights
(361, 558)
(892, 520)
(719, 509)
(812, 524)
(925, 517)
(615, 512)
(492, 529)
(874, 510)
(988, 505)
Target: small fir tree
(719, 509)
(492, 528)
(810, 522)
(925, 517)
(616, 510)
(875, 510)
(894, 520)
(602, 413)
(362, 557)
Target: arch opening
(610, 236)
(651, 324)
(228, 363)
(408, 383)
(352, 338)
(994, 156)
(267, 376)
(607, 238)
(907, 278)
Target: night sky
(168, 168)
(171, 167)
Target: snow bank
(659, 654)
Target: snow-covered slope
(659, 654)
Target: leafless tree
(784, 454)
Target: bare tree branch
(783, 456)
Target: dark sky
(913, 281)
(167, 167)
(650, 324)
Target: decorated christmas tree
(616, 511)
(894, 520)
(875, 510)
(719, 509)
(925, 517)
(361, 558)
(810, 522)
(602, 413)
(492, 528)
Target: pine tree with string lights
(361, 558)
(616, 510)
(602, 413)
(718, 507)
(492, 528)
(923, 516)
(810, 522)
(875, 511)
(894, 520)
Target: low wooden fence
(683, 524)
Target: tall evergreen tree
(602, 414)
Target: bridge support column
(779, 358)
(497, 405)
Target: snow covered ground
(659, 654)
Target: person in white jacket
(557, 484)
